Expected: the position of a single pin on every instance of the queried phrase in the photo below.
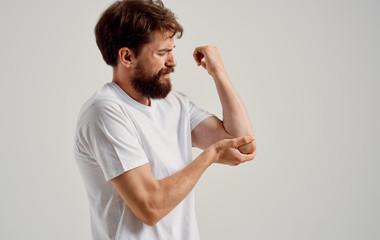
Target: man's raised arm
(235, 117)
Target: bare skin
(229, 142)
(235, 117)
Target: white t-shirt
(115, 134)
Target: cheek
(159, 61)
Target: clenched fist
(209, 58)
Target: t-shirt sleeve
(112, 139)
(197, 115)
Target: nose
(170, 60)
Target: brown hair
(130, 23)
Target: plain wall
(308, 72)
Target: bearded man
(134, 136)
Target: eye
(161, 54)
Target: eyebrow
(166, 49)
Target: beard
(149, 85)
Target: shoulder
(99, 106)
(107, 95)
(104, 102)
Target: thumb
(243, 140)
(203, 63)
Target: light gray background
(308, 72)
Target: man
(134, 136)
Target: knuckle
(240, 159)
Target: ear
(126, 56)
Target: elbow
(146, 206)
(148, 210)
(150, 216)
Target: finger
(243, 140)
(248, 157)
(203, 63)
(247, 148)
(242, 158)
(198, 56)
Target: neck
(123, 80)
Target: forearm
(235, 117)
(151, 200)
(236, 121)
(173, 189)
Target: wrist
(219, 73)
(210, 154)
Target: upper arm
(136, 187)
(110, 137)
(208, 132)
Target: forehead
(160, 40)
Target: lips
(168, 70)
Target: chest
(165, 136)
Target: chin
(162, 91)
(164, 80)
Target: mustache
(166, 70)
